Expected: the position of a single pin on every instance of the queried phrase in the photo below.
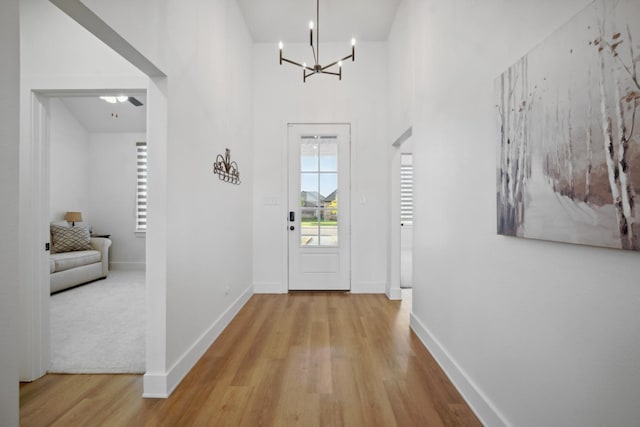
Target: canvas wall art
(568, 166)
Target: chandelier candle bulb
(280, 46)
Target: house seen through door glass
(319, 191)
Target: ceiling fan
(135, 101)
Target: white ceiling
(97, 115)
(271, 21)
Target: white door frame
(35, 202)
(285, 194)
(342, 275)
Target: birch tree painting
(569, 148)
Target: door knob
(292, 228)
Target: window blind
(141, 186)
(406, 191)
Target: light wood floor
(307, 359)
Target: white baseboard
(155, 386)
(161, 385)
(475, 398)
(394, 294)
(269, 288)
(368, 288)
(127, 266)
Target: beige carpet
(100, 327)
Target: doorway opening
(401, 217)
(96, 169)
(406, 219)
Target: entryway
(401, 215)
(97, 168)
(318, 224)
(406, 218)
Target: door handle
(292, 216)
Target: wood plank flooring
(302, 359)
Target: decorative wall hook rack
(226, 169)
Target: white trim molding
(471, 393)
(368, 288)
(269, 288)
(394, 294)
(161, 385)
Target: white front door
(319, 225)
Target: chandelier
(317, 68)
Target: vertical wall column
(9, 159)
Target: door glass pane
(328, 149)
(318, 191)
(329, 189)
(310, 190)
(328, 227)
(309, 231)
(309, 155)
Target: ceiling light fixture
(115, 99)
(317, 68)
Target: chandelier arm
(292, 62)
(330, 72)
(305, 75)
(346, 57)
(329, 66)
(335, 63)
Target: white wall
(112, 196)
(209, 68)
(401, 69)
(281, 97)
(9, 155)
(69, 168)
(534, 333)
(55, 48)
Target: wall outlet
(227, 289)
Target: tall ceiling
(270, 21)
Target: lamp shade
(73, 217)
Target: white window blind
(406, 189)
(141, 186)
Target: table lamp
(73, 217)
